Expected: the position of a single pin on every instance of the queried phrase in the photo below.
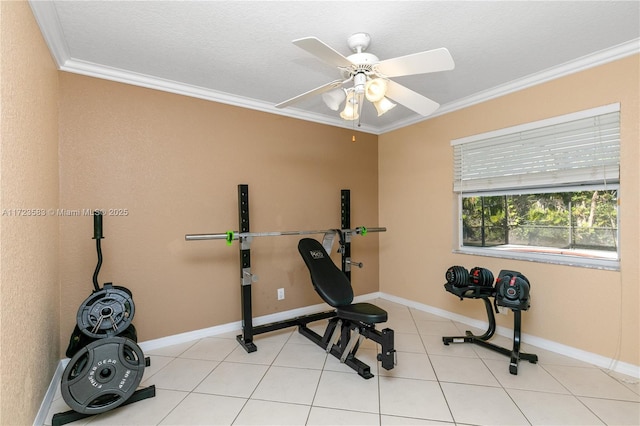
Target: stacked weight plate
(106, 363)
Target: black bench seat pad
(334, 287)
(329, 281)
(362, 312)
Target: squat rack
(245, 237)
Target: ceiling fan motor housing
(359, 42)
(362, 63)
(363, 58)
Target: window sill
(543, 255)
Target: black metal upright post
(345, 223)
(246, 338)
(482, 228)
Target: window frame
(550, 255)
(534, 253)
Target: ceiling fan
(371, 77)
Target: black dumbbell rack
(484, 293)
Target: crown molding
(142, 80)
(47, 19)
(583, 63)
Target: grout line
(260, 381)
(413, 316)
(176, 406)
(435, 373)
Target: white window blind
(577, 148)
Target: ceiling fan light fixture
(383, 105)
(350, 111)
(334, 98)
(376, 88)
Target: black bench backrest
(329, 281)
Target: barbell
(230, 236)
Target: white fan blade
(317, 48)
(310, 93)
(412, 100)
(417, 63)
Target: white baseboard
(228, 328)
(559, 348)
(190, 336)
(150, 345)
(49, 396)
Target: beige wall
(29, 284)
(74, 142)
(593, 310)
(174, 163)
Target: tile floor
(291, 381)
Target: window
(544, 191)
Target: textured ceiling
(240, 52)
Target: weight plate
(106, 313)
(481, 277)
(457, 276)
(102, 375)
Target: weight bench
(353, 321)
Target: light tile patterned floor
(291, 381)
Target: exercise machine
(511, 290)
(353, 321)
(244, 237)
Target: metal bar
(350, 344)
(70, 416)
(360, 367)
(514, 353)
(293, 322)
(345, 222)
(238, 235)
(334, 336)
(246, 338)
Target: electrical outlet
(503, 310)
(280, 293)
